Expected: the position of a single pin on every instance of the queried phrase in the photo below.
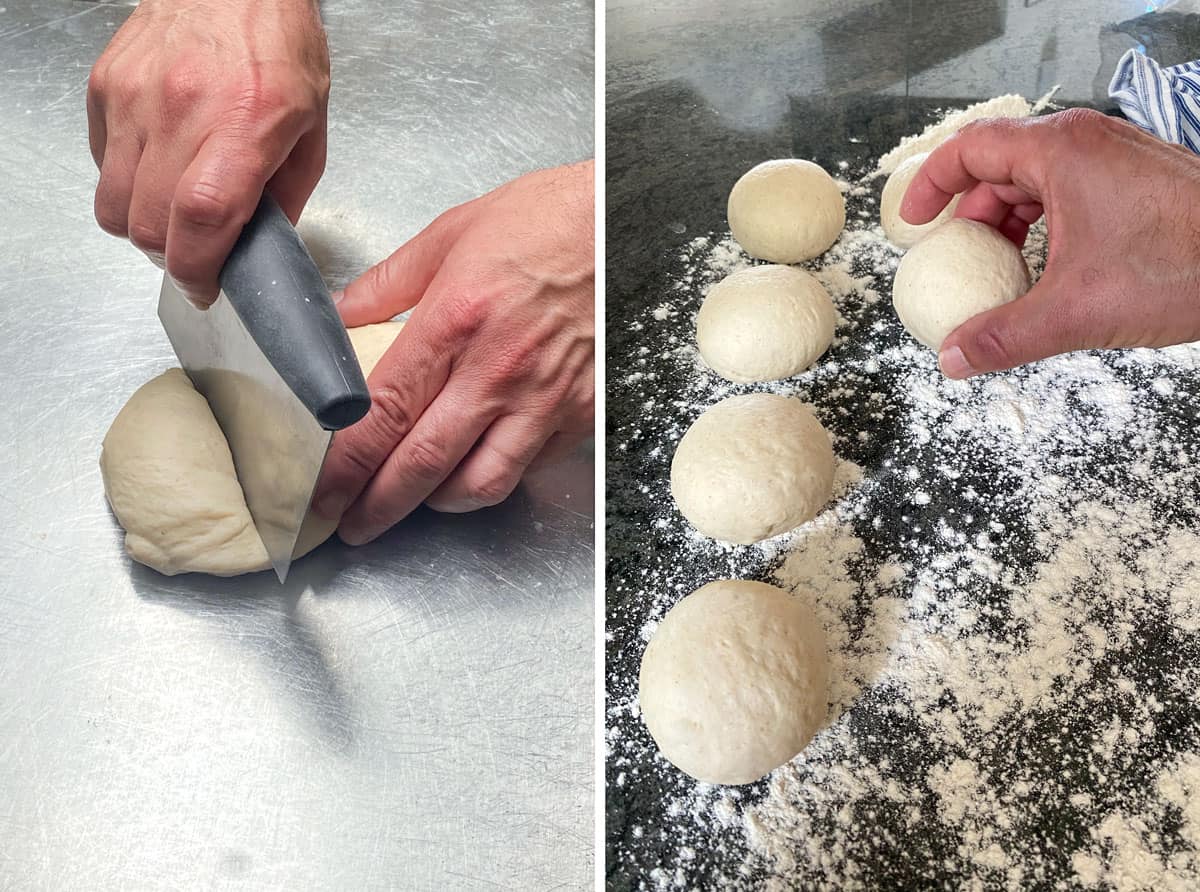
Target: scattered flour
(1009, 579)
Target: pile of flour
(1009, 579)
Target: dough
(901, 233)
(765, 323)
(956, 272)
(169, 477)
(786, 211)
(734, 682)
(752, 467)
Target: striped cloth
(1164, 101)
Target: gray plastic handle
(277, 290)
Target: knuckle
(391, 417)
(425, 459)
(207, 205)
(182, 85)
(493, 487)
(147, 236)
(990, 349)
(514, 363)
(1076, 122)
(111, 215)
(98, 79)
(465, 316)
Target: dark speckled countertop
(696, 95)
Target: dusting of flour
(1009, 579)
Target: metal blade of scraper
(274, 361)
(277, 445)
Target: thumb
(1036, 325)
(399, 282)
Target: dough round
(786, 211)
(734, 682)
(957, 271)
(169, 477)
(900, 232)
(765, 323)
(752, 467)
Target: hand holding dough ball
(959, 270)
(752, 467)
(899, 231)
(786, 211)
(765, 323)
(734, 682)
(169, 477)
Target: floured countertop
(1008, 576)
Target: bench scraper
(274, 361)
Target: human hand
(494, 368)
(193, 109)
(1123, 217)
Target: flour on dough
(735, 681)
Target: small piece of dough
(169, 477)
(786, 211)
(765, 323)
(734, 682)
(899, 231)
(959, 270)
(752, 467)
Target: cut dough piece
(734, 682)
(899, 231)
(786, 211)
(752, 467)
(765, 323)
(169, 477)
(959, 270)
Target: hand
(1123, 217)
(193, 109)
(493, 369)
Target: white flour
(1009, 578)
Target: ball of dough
(959, 270)
(899, 231)
(752, 467)
(765, 323)
(734, 682)
(169, 477)
(786, 211)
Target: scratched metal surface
(416, 713)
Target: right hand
(1123, 217)
(193, 110)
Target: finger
(398, 283)
(1001, 151)
(1044, 322)
(494, 467)
(97, 127)
(1015, 227)
(294, 182)
(215, 197)
(431, 450)
(403, 383)
(115, 189)
(158, 172)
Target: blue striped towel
(1164, 101)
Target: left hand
(495, 366)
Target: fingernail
(330, 505)
(954, 364)
(337, 296)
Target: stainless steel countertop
(416, 713)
